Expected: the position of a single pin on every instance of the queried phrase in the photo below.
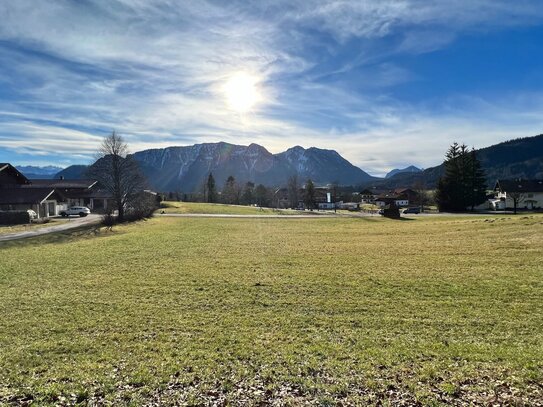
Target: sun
(242, 92)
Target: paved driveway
(56, 226)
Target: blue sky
(385, 83)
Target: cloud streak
(328, 72)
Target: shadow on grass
(60, 236)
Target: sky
(385, 83)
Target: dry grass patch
(175, 311)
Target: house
(528, 194)
(408, 193)
(43, 201)
(389, 198)
(78, 192)
(367, 197)
(17, 194)
(350, 206)
(11, 177)
(47, 197)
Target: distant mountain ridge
(185, 168)
(72, 172)
(518, 158)
(410, 169)
(34, 172)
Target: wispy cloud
(329, 70)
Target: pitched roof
(404, 191)
(16, 174)
(64, 183)
(87, 193)
(384, 197)
(519, 185)
(20, 196)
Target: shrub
(392, 212)
(14, 217)
(108, 220)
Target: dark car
(416, 211)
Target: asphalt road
(56, 226)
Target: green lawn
(355, 311)
(207, 208)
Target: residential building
(389, 198)
(528, 194)
(367, 197)
(47, 197)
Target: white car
(76, 210)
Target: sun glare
(241, 92)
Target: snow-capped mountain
(32, 171)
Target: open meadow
(221, 209)
(332, 311)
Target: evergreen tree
(463, 184)
(309, 195)
(210, 188)
(247, 197)
(262, 195)
(231, 192)
(476, 181)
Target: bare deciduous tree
(293, 189)
(422, 193)
(118, 173)
(517, 198)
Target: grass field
(215, 209)
(5, 229)
(173, 311)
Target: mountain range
(34, 172)
(185, 168)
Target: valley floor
(203, 311)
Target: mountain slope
(322, 166)
(410, 169)
(72, 172)
(519, 158)
(185, 168)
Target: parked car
(76, 210)
(32, 214)
(416, 211)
